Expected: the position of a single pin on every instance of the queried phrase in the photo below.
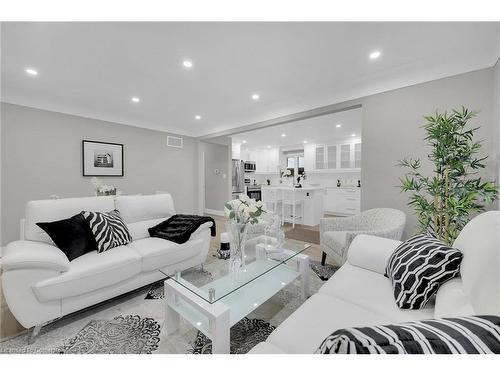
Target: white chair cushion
(58, 209)
(304, 330)
(335, 240)
(134, 208)
(157, 253)
(371, 291)
(90, 272)
(139, 229)
(451, 300)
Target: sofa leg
(35, 331)
(323, 258)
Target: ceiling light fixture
(353, 134)
(255, 96)
(304, 141)
(338, 126)
(268, 146)
(375, 55)
(31, 72)
(187, 64)
(197, 117)
(135, 99)
(283, 135)
(244, 141)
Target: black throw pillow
(73, 236)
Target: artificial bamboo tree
(444, 202)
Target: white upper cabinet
(267, 160)
(331, 157)
(320, 158)
(345, 156)
(357, 155)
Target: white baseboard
(214, 212)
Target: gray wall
(217, 191)
(41, 156)
(496, 105)
(391, 131)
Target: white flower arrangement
(286, 173)
(244, 210)
(102, 189)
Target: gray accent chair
(336, 234)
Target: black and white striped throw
(465, 335)
(418, 267)
(178, 228)
(108, 228)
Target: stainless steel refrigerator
(238, 176)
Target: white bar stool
(272, 198)
(289, 197)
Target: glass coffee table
(214, 307)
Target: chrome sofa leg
(34, 333)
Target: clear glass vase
(238, 239)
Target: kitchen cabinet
(266, 160)
(343, 201)
(333, 157)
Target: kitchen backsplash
(324, 179)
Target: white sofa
(358, 294)
(41, 284)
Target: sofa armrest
(34, 255)
(371, 252)
(201, 229)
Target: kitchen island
(309, 202)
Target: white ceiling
(93, 69)
(314, 130)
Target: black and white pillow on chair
(418, 267)
(108, 228)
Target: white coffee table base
(214, 319)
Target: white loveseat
(358, 294)
(41, 284)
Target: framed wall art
(102, 159)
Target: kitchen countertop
(289, 187)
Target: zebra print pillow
(418, 267)
(466, 335)
(108, 228)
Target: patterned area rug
(244, 336)
(156, 291)
(129, 334)
(323, 272)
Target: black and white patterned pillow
(465, 335)
(418, 267)
(108, 228)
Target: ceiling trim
(298, 116)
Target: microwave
(249, 166)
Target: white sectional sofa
(359, 295)
(41, 284)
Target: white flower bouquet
(244, 210)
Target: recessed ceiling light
(375, 55)
(244, 141)
(135, 99)
(255, 96)
(31, 71)
(338, 126)
(353, 134)
(187, 64)
(268, 146)
(197, 117)
(304, 141)
(283, 135)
